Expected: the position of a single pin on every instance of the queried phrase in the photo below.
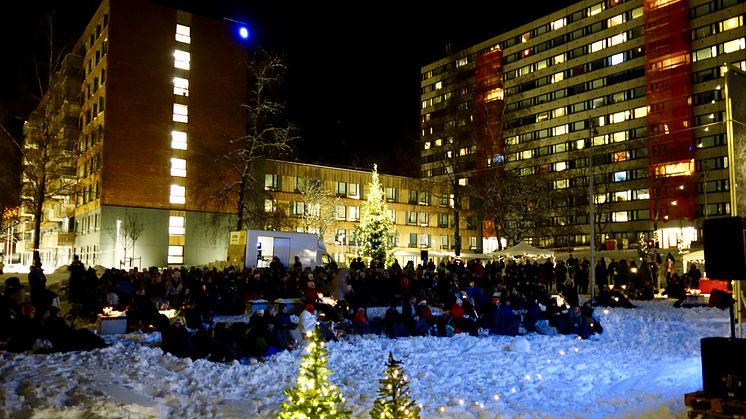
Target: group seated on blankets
(33, 322)
(265, 334)
(577, 321)
(612, 298)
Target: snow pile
(643, 364)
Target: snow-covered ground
(643, 364)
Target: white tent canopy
(524, 249)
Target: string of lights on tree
(393, 400)
(313, 397)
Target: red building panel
(670, 118)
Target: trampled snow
(643, 364)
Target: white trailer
(262, 246)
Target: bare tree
(132, 228)
(318, 206)
(518, 204)
(268, 135)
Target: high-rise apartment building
(159, 98)
(630, 91)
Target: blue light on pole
(243, 32)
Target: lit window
(181, 113)
(734, 45)
(181, 86)
(580, 144)
(705, 53)
(622, 196)
(558, 112)
(617, 58)
(616, 20)
(179, 140)
(618, 137)
(558, 24)
(618, 39)
(526, 154)
(618, 117)
(619, 217)
(558, 59)
(427, 145)
(462, 62)
(354, 189)
(353, 213)
(271, 182)
(183, 34)
(438, 142)
(655, 4)
(175, 254)
(681, 168)
(340, 211)
(463, 181)
(598, 45)
(641, 112)
(560, 130)
(178, 194)
(438, 85)
(494, 94)
(560, 166)
(556, 77)
(178, 167)
(176, 226)
(620, 176)
(561, 184)
(181, 59)
(391, 194)
(270, 205)
(596, 9)
(619, 156)
(731, 23)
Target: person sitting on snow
(307, 321)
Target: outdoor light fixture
(243, 32)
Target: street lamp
(591, 213)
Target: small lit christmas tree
(313, 396)
(393, 400)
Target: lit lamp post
(591, 208)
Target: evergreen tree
(393, 400)
(313, 396)
(375, 234)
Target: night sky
(354, 68)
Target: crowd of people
(501, 297)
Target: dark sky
(354, 67)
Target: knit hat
(12, 286)
(309, 308)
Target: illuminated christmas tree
(393, 400)
(313, 397)
(375, 233)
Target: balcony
(57, 239)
